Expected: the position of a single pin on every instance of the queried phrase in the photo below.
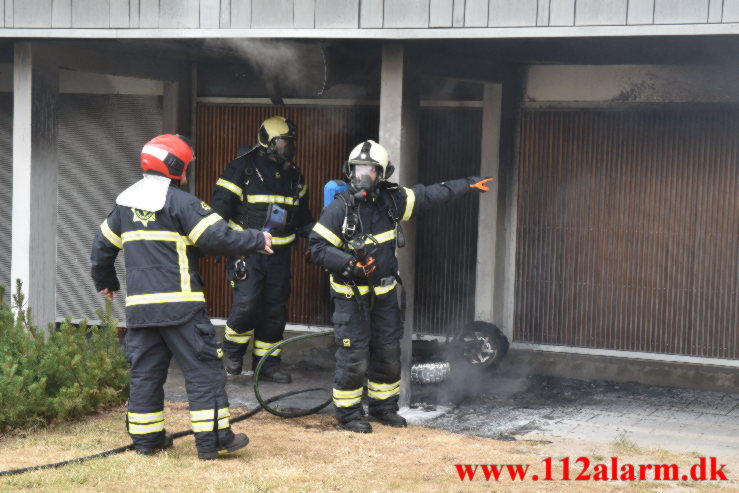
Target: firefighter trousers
(259, 306)
(196, 350)
(368, 344)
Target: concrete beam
(399, 128)
(488, 216)
(84, 59)
(35, 168)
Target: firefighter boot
(272, 372)
(233, 363)
(166, 443)
(389, 417)
(356, 425)
(240, 441)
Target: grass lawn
(310, 454)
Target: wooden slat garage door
(628, 231)
(326, 135)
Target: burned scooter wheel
(481, 345)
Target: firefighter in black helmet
(355, 240)
(263, 179)
(163, 231)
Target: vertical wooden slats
(446, 237)
(628, 231)
(326, 135)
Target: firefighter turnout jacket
(161, 256)
(329, 239)
(253, 181)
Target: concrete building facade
(608, 125)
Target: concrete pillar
(507, 206)
(35, 166)
(399, 128)
(170, 108)
(487, 221)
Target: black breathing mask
(364, 181)
(283, 151)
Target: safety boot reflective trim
(175, 297)
(347, 398)
(261, 348)
(136, 429)
(201, 426)
(113, 238)
(231, 187)
(238, 337)
(410, 202)
(202, 225)
(205, 414)
(327, 234)
(145, 417)
(382, 391)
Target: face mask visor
(284, 149)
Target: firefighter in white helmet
(355, 240)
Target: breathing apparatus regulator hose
(265, 403)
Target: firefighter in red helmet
(163, 231)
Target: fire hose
(264, 403)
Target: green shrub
(72, 372)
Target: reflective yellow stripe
(145, 417)
(384, 237)
(303, 191)
(204, 426)
(201, 226)
(381, 386)
(261, 348)
(175, 297)
(385, 394)
(204, 414)
(347, 398)
(271, 199)
(382, 390)
(230, 187)
(238, 337)
(380, 238)
(181, 243)
(346, 394)
(143, 235)
(235, 226)
(184, 267)
(283, 240)
(327, 234)
(202, 419)
(410, 201)
(137, 429)
(110, 235)
(349, 292)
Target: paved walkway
(494, 406)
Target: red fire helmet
(168, 154)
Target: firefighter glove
(358, 270)
(479, 183)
